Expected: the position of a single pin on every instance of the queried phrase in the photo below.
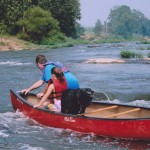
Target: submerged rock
(104, 60)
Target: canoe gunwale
(20, 98)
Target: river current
(122, 82)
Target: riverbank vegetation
(130, 54)
(53, 23)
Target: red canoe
(103, 119)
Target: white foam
(112, 101)
(81, 51)
(28, 147)
(10, 117)
(2, 134)
(12, 63)
(11, 114)
(135, 102)
(140, 103)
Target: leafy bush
(138, 55)
(144, 48)
(24, 36)
(141, 48)
(110, 39)
(127, 54)
(53, 38)
(145, 42)
(2, 44)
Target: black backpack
(76, 101)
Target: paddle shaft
(122, 113)
(98, 110)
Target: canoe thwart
(122, 113)
(98, 110)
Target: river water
(123, 83)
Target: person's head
(40, 61)
(58, 73)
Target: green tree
(38, 23)
(11, 11)
(79, 30)
(2, 29)
(66, 12)
(145, 27)
(138, 19)
(121, 21)
(98, 27)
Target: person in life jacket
(56, 85)
(46, 67)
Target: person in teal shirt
(46, 67)
(72, 81)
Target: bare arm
(45, 89)
(40, 94)
(47, 94)
(34, 86)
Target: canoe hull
(118, 128)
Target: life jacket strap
(56, 93)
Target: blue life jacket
(57, 64)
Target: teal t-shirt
(46, 74)
(72, 81)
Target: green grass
(59, 41)
(145, 42)
(144, 48)
(2, 44)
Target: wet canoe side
(135, 128)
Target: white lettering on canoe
(69, 119)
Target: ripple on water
(12, 63)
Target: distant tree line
(38, 19)
(125, 22)
(48, 21)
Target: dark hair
(40, 59)
(58, 73)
